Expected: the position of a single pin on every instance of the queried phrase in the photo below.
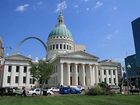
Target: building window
(105, 80)
(113, 72)
(78, 68)
(53, 47)
(16, 79)
(104, 72)
(109, 72)
(64, 46)
(32, 81)
(25, 69)
(70, 68)
(109, 80)
(99, 72)
(17, 68)
(99, 80)
(114, 80)
(50, 47)
(56, 46)
(24, 79)
(70, 47)
(8, 79)
(60, 46)
(78, 80)
(67, 46)
(9, 68)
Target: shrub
(97, 90)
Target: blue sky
(103, 26)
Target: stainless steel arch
(28, 38)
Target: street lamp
(128, 68)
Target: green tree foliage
(41, 71)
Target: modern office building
(136, 35)
(132, 62)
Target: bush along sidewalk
(100, 89)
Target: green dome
(60, 30)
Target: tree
(41, 71)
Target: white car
(81, 88)
(36, 91)
(54, 89)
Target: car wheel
(34, 94)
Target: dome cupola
(60, 39)
(60, 29)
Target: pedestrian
(24, 91)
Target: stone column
(21, 76)
(93, 75)
(112, 80)
(61, 74)
(75, 75)
(90, 75)
(116, 76)
(68, 74)
(4, 83)
(13, 76)
(97, 74)
(27, 78)
(107, 79)
(83, 75)
(102, 75)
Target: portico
(77, 68)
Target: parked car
(54, 89)
(81, 88)
(18, 91)
(64, 90)
(75, 90)
(8, 91)
(69, 90)
(37, 91)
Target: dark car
(64, 90)
(75, 90)
(7, 91)
(69, 90)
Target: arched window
(56, 46)
(64, 46)
(60, 46)
(53, 46)
(70, 47)
(50, 47)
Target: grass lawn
(72, 100)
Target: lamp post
(128, 67)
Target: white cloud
(109, 37)
(115, 8)
(116, 31)
(108, 24)
(85, 0)
(61, 6)
(98, 4)
(76, 6)
(87, 9)
(22, 8)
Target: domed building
(72, 65)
